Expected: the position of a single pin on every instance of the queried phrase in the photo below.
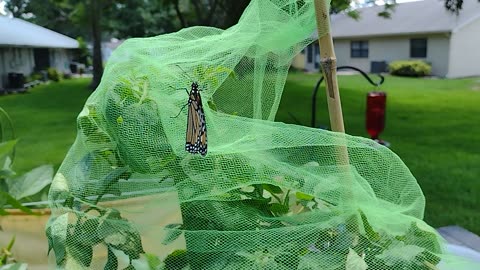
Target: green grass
(431, 124)
(44, 121)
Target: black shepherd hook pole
(315, 90)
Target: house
(26, 47)
(422, 30)
(109, 47)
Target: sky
(3, 12)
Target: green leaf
(130, 267)
(304, 197)
(355, 262)
(322, 260)
(400, 254)
(7, 147)
(86, 232)
(8, 199)
(371, 234)
(6, 171)
(173, 232)
(121, 235)
(153, 261)
(48, 232)
(286, 202)
(278, 209)
(81, 253)
(176, 260)
(423, 238)
(30, 183)
(6, 154)
(57, 236)
(10, 244)
(212, 105)
(112, 261)
(111, 181)
(272, 189)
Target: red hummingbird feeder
(375, 118)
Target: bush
(35, 76)
(53, 74)
(410, 68)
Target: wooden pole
(328, 61)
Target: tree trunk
(95, 18)
(234, 11)
(179, 14)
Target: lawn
(44, 120)
(431, 124)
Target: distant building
(26, 47)
(109, 47)
(422, 30)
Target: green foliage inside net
(266, 196)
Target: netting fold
(267, 195)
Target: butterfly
(196, 137)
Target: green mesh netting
(266, 196)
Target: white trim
(386, 35)
(471, 20)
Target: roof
(421, 17)
(17, 32)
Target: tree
(133, 18)
(145, 18)
(227, 12)
(95, 17)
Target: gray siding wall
(15, 60)
(2, 69)
(465, 51)
(21, 60)
(60, 59)
(396, 48)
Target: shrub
(53, 74)
(35, 76)
(415, 68)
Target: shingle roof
(428, 16)
(17, 32)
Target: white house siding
(60, 59)
(299, 61)
(15, 59)
(465, 51)
(21, 60)
(396, 48)
(2, 69)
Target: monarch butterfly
(196, 141)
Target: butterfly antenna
(184, 72)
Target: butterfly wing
(196, 137)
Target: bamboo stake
(328, 61)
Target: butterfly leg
(183, 88)
(183, 107)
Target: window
(359, 49)
(418, 47)
(310, 53)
